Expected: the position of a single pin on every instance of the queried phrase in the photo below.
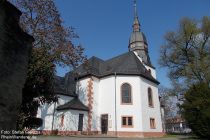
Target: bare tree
(169, 102)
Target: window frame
(127, 118)
(121, 94)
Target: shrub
(33, 123)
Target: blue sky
(104, 26)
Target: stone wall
(15, 50)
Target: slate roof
(74, 104)
(59, 86)
(65, 85)
(125, 64)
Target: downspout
(115, 74)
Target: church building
(115, 97)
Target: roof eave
(65, 94)
(102, 76)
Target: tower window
(150, 98)
(149, 71)
(126, 94)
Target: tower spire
(136, 24)
(138, 41)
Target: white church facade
(117, 97)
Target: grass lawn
(184, 136)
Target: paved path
(104, 138)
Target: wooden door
(80, 123)
(104, 123)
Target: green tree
(186, 52)
(52, 46)
(196, 109)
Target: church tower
(137, 41)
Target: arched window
(150, 98)
(126, 94)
